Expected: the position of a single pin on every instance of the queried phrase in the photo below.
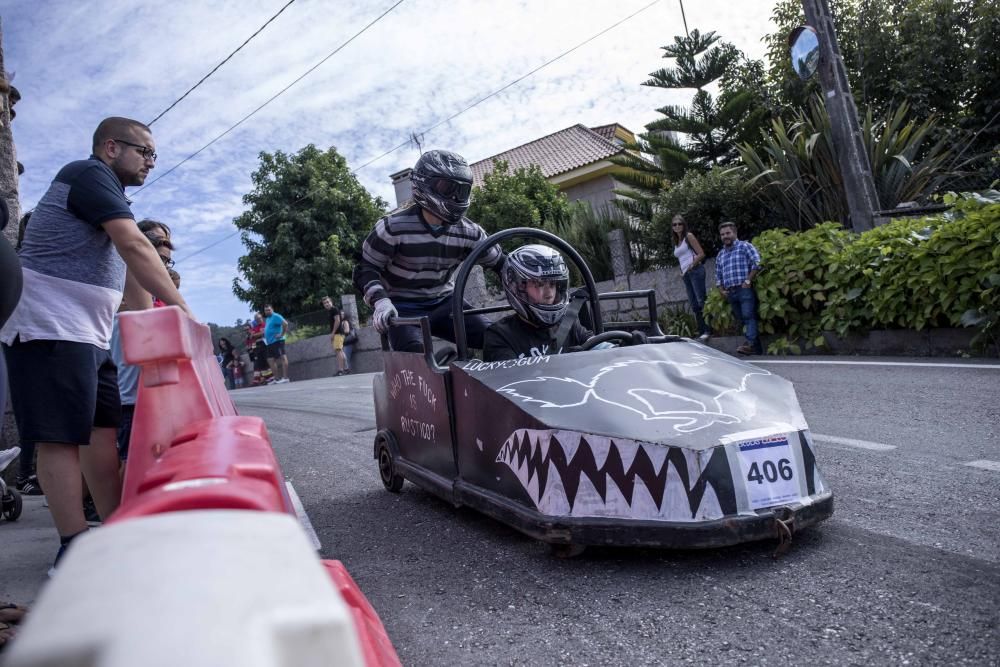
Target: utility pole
(855, 168)
(8, 156)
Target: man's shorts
(338, 342)
(276, 350)
(60, 390)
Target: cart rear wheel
(12, 505)
(387, 467)
(563, 551)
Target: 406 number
(770, 472)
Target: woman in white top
(689, 253)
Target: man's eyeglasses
(146, 152)
(167, 262)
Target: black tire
(12, 506)
(391, 480)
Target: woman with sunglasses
(691, 257)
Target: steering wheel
(458, 307)
(621, 337)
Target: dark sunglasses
(146, 152)
(454, 190)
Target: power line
(512, 83)
(271, 99)
(442, 122)
(202, 80)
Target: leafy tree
(522, 198)
(941, 57)
(307, 217)
(711, 127)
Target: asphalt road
(906, 572)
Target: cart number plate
(769, 472)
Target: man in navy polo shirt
(81, 238)
(736, 265)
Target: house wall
(598, 192)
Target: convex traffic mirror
(804, 47)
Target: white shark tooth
(587, 502)
(627, 450)
(615, 504)
(544, 438)
(553, 501)
(532, 488)
(599, 447)
(643, 505)
(569, 441)
(709, 507)
(675, 498)
(694, 465)
(657, 455)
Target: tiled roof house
(575, 159)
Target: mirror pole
(855, 168)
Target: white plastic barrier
(200, 589)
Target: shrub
(911, 273)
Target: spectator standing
(336, 333)
(275, 329)
(74, 256)
(128, 375)
(261, 369)
(736, 266)
(691, 258)
(228, 362)
(408, 260)
(350, 339)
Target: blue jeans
(694, 283)
(743, 301)
(408, 339)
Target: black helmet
(536, 262)
(442, 184)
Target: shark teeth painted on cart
(569, 473)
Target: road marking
(993, 466)
(300, 512)
(874, 363)
(850, 442)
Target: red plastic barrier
(181, 383)
(220, 463)
(375, 643)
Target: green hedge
(908, 274)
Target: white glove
(384, 311)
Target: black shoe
(29, 486)
(90, 512)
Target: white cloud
(422, 63)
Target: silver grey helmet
(541, 263)
(442, 184)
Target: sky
(77, 62)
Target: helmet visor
(457, 191)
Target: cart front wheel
(12, 505)
(387, 468)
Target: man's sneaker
(704, 337)
(90, 512)
(744, 349)
(8, 455)
(65, 542)
(282, 381)
(29, 486)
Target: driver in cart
(536, 282)
(409, 259)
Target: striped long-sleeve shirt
(404, 259)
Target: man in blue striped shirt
(736, 265)
(408, 260)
